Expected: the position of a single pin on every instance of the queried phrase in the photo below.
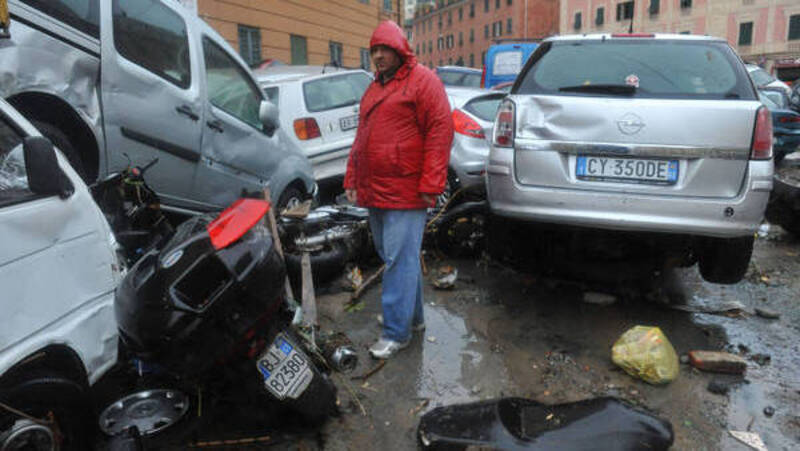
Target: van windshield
(656, 68)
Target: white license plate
(627, 170)
(285, 369)
(349, 122)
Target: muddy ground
(504, 333)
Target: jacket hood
(391, 35)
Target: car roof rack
(513, 40)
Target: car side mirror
(268, 114)
(45, 176)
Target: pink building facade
(765, 32)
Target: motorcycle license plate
(285, 368)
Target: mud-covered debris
(761, 359)
(646, 353)
(767, 313)
(728, 308)
(718, 362)
(750, 439)
(446, 278)
(592, 297)
(354, 278)
(769, 411)
(718, 387)
(517, 423)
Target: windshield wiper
(601, 89)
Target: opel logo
(630, 124)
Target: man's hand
(351, 195)
(429, 199)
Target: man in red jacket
(397, 167)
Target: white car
(318, 111)
(763, 79)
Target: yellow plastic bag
(645, 352)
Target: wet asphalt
(500, 333)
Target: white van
(58, 271)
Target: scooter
(206, 312)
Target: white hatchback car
(318, 111)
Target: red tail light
(504, 125)
(789, 119)
(235, 221)
(762, 136)
(465, 125)
(483, 76)
(306, 128)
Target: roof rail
(505, 40)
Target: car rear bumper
(728, 217)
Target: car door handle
(186, 110)
(215, 125)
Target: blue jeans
(398, 239)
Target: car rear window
(335, 91)
(507, 63)
(659, 68)
(484, 108)
(454, 78)
(761, 77)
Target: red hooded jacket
(405, 129)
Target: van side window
(83, 15)
(153, 36)
(13, 178)
(229, 88)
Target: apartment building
(765, 32)
(299, 31)
(460, 31)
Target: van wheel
(61, 411)
(60, 140)
(724, 260)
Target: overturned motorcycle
(207, 313)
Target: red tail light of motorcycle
(465, 125)
(235, 221)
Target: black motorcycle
(206, 312)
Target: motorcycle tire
(325, 264)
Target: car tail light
(789, 119)
(235, 221)
(483, 76)
(465, 125)
(504, 125)
(762, 136)
(306, 128)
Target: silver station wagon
(642, 133)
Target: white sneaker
(414, 328)
(385, 348)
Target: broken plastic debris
(750, 439)
(446, 278)
(718, 362)
(645, 352)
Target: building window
(417, 51)
(250, 44)
(577, 24)
(655, 6)
(496, 4)
(471, 60)
(486, 31)
(387, 5)
(450, 41)
(794, 27)
(299, 49)
(486, 6)
(450, 61)
(460, 14)
(461, 39)
(508, 26)
(364, 53)
(483, 58)
(335, 49)
(440, 43)
(440, 21)
(449, 18)
(600, 17)
(441, 63)
(686, 3)
(685, 32)
(471, 35)
(430, 46)
(510, 2)
(745, 33)
(625, 10)
(472, 10)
